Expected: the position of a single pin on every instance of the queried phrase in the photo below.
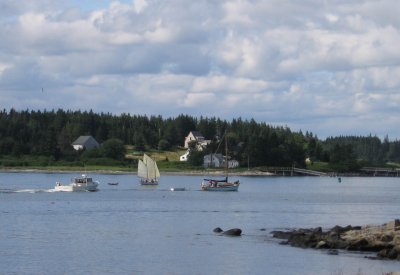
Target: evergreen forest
(45, 137)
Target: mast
(226, 157)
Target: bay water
(131, 229)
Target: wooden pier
(365, 171)
(381, 172)
(292, 171)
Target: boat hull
(220, 189)
(77, 187)
(148, 182)
(63, 188)
(219, 186)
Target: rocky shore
(382, 239)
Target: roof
(86, 141)
(197, 134)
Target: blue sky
(91, 5)
(329, 67)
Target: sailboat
(148, 171)
(222, 184)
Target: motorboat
(83, 183)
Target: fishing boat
(221, 184)
(78, 184)
(148, 171)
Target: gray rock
(233, 232)
(217, 230)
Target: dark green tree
(113, 148)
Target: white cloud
(4, 66)
(139, 5)
(304, 64)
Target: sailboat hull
(148, 182)
(210, 185)
(221, 189)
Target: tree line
(50, 134)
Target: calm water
(129, 229)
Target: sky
(330, 67)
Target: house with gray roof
(85, 142)
(218, 160)
(213, 160)
(196, 136)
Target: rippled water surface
(130, 229)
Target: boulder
(230, 232)
(233, 232)
(217, 230)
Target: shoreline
(120, 172)
(221, 173)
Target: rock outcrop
(383, 239)
(230, 232)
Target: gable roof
(197, 134)
(86, 141)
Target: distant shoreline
(214, 173)
(117, 172)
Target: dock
(292, 171)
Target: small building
(214, 160)
(201, 142)
(85, 142)
(185, 156)
(218, 160)
(233, 163)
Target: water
(129, 229)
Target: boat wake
(30, 191)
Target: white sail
(156, 170)
(152, 169)
(148, 168)
(142, 169)
(147, 160)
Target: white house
(87, 142)
(201, 142)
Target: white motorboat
(77, 184)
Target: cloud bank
(330, 67)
